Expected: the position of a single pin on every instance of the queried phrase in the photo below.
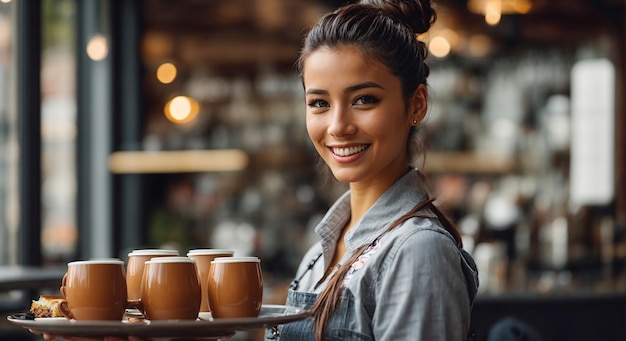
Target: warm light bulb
(97, 47)
(181, 109)
(493, 12)
(166, 73)
(439, 47)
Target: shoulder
(420, 246)
(422, 235)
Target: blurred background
(180, 124)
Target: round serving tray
(270, 315)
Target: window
(58, 131)
(58, 135)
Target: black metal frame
(29, 126)
(85, 14)
(128, 115)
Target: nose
(341, 122)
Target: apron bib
(339, 326)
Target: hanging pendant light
(494, 9)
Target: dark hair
(386, 31)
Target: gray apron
(337, 328)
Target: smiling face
(357, 117)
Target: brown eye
(317, 103)
(361, 100)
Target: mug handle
(63, 282)
(65, 310)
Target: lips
(347, 151)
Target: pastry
(46, 306)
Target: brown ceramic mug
(170, 289)
(235, 287)
(203, 259)
(94, 290)
(134, 269)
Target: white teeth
(349, 151)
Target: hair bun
(419, 15)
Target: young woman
(389, 265)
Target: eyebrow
(349, 89)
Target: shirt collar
(402, 196)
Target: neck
(364, 195)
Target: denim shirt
(416, 284)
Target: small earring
(414, 121)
